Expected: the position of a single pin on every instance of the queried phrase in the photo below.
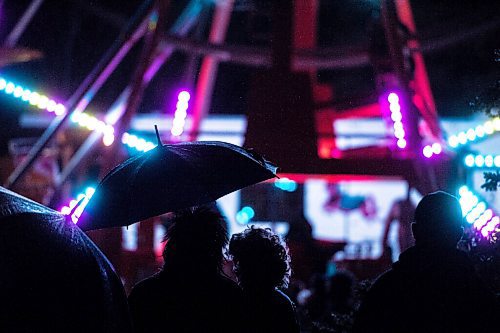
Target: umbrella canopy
(53, 278)
(172, 177)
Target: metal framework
(148, 23)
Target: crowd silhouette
(433, 287)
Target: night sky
(73, 35)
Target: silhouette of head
(261, 259)
(196, 239)
(438, 221)
(341, 290)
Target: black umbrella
(172, 177)
(52, 276)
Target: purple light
(83, 199)
(393, 98)
(427, 151)
(401, 143)
(180, 113)
(397, 118)
(184, 96)
(436, 148)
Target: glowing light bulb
(108, 140)
(9, 88)
(471, 135)
(488, 127)
(436, 148)
(488, 161)
(453, 141)
(496, 160)
(480, 131)
(469, 160)
(181, 105)
(34, 98)
(51, 106)
(399, 133)
(18, 92)
(43, 102)
(395, 108)
(26, 95)
(89, 192)
(184, 96)
(463, 190)
(401, 143)
(479, 160)
(427, 151)
(60, 109)
(462, 138)
(125, 137)
(398, 126)
(176, 131)
(393, 98)
(496, 124)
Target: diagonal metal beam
(180, 28)
(86, 91)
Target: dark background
(73, 35)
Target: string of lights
(477, 213)
(83, 199)
(33, 98)
(482, 161)
(82, 119)
(479, 132)
(180, 113)
(397, 118)
(434, 149)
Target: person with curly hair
(190, 293)
(262, 266)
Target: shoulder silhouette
(190, 293)
(433, 287)
(262, 266)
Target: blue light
(286, 184)
(245, 215)
(248, 211)
(469, 160)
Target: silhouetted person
(403, 212)
(433, 286)
(262, 265)
(341, 292)
(189, 294)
